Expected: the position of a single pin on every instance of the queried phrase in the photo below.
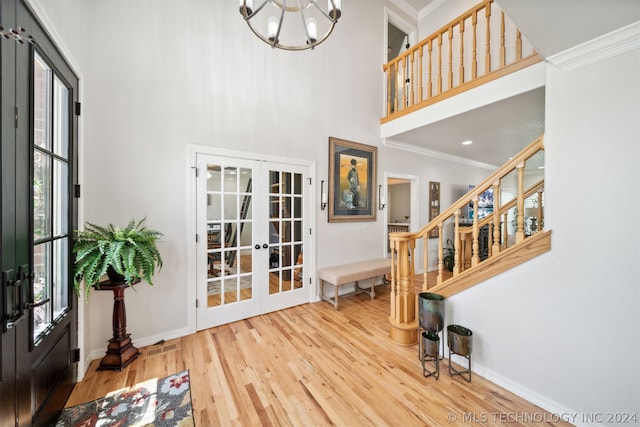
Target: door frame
(414, 185)
(190, 205)
(39, 13)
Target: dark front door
(38, 157)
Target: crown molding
(436, 154)
(405, 7)
(609, 45)
(429, 8)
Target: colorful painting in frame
(434, 205)
(352, 178)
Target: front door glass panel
(51, 211)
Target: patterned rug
(157, 402)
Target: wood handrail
(432, 61)
(500, 173)
(403, 244)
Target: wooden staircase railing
(508, 239)
(478, 46)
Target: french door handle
(32, 305)
(11, 315)
(265, 246)
(257, 246)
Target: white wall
(158, 76)
(562, 330)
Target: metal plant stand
(460, 341)
(430, 353)
(431, 318)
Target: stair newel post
(520, 204)
(404, 325)
(394, 266)
(440, 254)
(496, 218)
(457, 253)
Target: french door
(251, 216)
(38, 158)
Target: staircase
(511, 232)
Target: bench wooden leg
(333, 300)
(370, 291)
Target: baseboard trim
(556, 409)
(143, 342)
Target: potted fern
(126, 255)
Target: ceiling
(500, 130)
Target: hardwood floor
(312, 365)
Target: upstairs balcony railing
(478, 46)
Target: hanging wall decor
(434, 205)
(352, 178)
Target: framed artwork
(485, 203)
(352, 178)
(434, 205)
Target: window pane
(60, 119)
(41, 287)
(41, 195)
(60, 283)
(60, 198)
(41, 103)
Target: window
(51, 213)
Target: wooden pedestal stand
(120, 351)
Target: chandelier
(291, 24)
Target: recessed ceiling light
(468, 142)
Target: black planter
(460, 339)
(114, 277)
(431, 311)
(430, 353)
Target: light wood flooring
(311, 365)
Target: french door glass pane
(60, 119)
(61, 278)
(41, 195)
(229, 235)
(60, 198)
(51, 201)
(41, 103)
(285, 225)
(41, 286)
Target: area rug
(157, 402)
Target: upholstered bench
(352, 273)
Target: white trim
(58, 41)
(412, 32)
(146, 341)
(190, 200)
(555, 408)
(429, 8)
(42, 16)
(414, 185)
(387, 142)
(405, 7)
(609, 45)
